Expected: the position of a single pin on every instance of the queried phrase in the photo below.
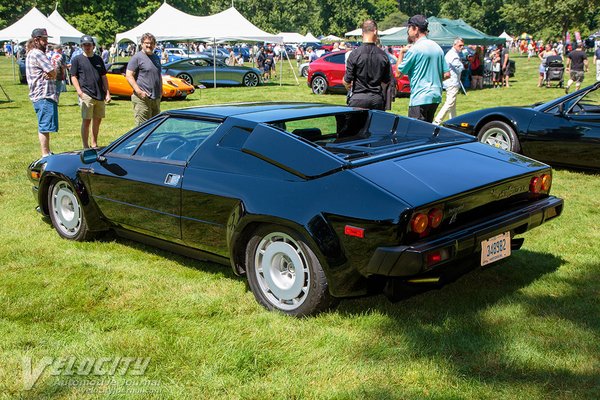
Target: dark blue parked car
(311, 202)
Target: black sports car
(312, 202)
(565, 131)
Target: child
(496, 69)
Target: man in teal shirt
(423, 61)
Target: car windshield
(360, 134)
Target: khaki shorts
(91, 108)
(576, 76)
(144, 109)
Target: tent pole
(291, 67)
(214, 63)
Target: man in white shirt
(452, 84)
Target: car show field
(524, 327)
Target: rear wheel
(319, 85)
(284, 273)
(250, 79)
(66, 213)
(499, 134)
(187, 78)
(305, 71)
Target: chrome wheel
(497, 137)
(65, 210)
(305, 72)
(282, 271)
(319, 85)
(186, 78)
(251, 79)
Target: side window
(336, 59)
(176, 139)
(589, 103)
(128, 146)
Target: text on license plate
(495, 248)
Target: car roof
(263, 112)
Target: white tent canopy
(391, 31)
(67, 28)
(331, 38)
(506, 36)
(311, 38)
(292, 37)
(21, 30)
(168, 23)
(356, 32)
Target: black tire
(304, 71)
(499, 134)
(66, 213)
(295, 283)
(319, 85)
(187, 78)
(250, 80)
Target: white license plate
(495, 248)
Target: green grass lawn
(526, 328)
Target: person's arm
(74, 77)
(136, 89)
(505, 61)
(585, 65)
(47, 67)
(568, 64)
(349, 75)
(107, 98)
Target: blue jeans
(47, 115)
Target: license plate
(495, 248)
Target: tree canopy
(541, 18)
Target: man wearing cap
(41, 78)
(367, 68)
(423, 61)
(144, 75)
(88, 75)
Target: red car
(326, 74)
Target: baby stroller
(555, 70)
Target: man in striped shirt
(41, 77)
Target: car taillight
(535, 185)
(435, 217)
(419, 223)
(546, 182)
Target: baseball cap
(419, 21)
(39, 32)
(85, 39)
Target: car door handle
(172, 179)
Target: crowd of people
(368, 77)
(45, 76)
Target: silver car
(201, 70)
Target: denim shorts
(47, 115)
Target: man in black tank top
(366, 69)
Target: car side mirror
(89, 156)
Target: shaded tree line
(541, 18)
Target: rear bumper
(404, 261)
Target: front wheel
(66, 213)
(319, 85)
(499, 134)
(284, 273)
(250, 79)
(186, 78)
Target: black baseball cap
(39, 32)
(419, 21)
(85, 39)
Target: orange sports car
(173, 88)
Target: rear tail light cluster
(540, 184)
(423, 221)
